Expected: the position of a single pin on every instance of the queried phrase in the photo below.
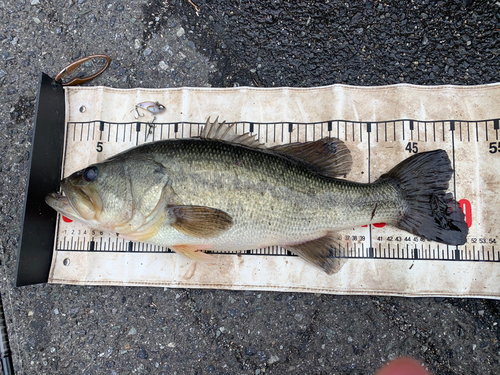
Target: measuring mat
(381, 126)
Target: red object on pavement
(403, 366)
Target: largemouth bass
(224, 191)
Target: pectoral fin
(200, 221)
(320, 253)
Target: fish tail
(428, 211)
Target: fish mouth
(75, 203)
(61, 204)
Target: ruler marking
(137, 130)
(477, 133)
(452, 128)
(452, 125)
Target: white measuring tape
(101, 124)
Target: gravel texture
(57, 329)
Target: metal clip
(71, 68)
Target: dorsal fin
(329, 157)
(227, 133)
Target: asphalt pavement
(64, 329)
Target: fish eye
(90, 173)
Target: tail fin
(431, 213)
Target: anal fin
(319, 252)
